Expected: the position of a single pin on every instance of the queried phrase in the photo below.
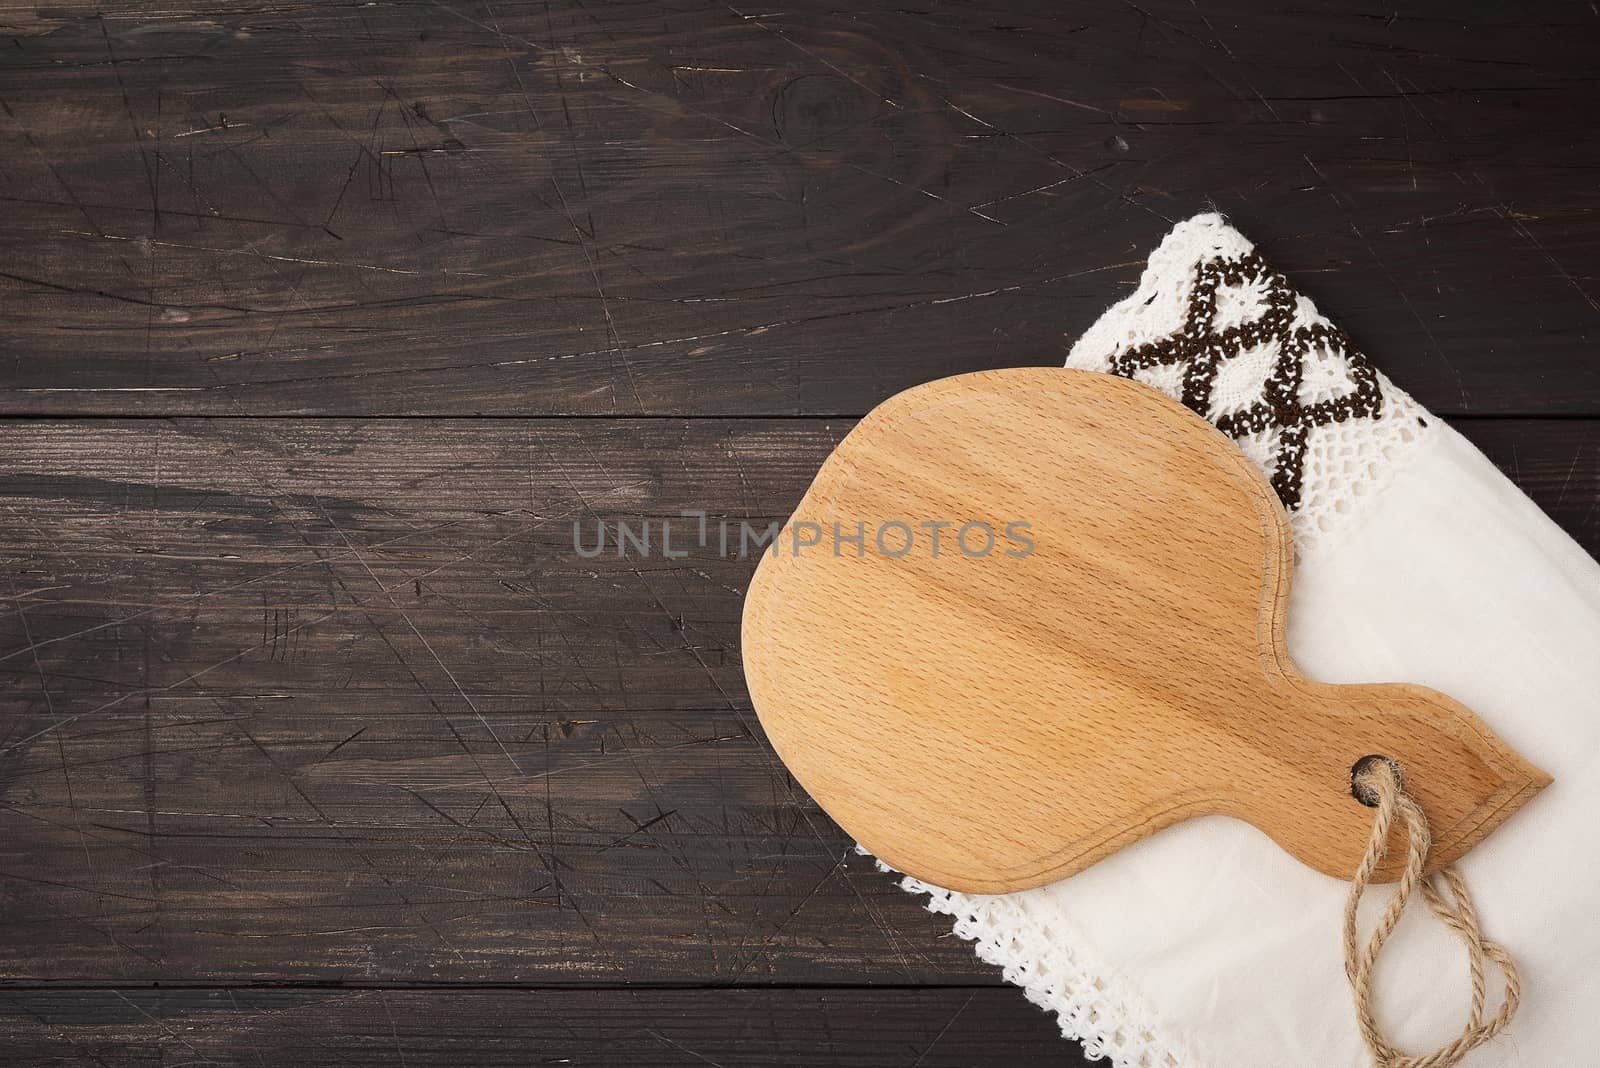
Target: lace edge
(1341, 464)
(1145, 311)
(1090, 1008)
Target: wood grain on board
(702, 208)
(1096, 651)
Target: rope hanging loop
(1377, 781)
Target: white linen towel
(1206, 946)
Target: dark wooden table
(323, 322)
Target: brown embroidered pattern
(1201, 350)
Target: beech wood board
(995, 722)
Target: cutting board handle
(1299, 791)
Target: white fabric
(1206, 946)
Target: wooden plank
(557, 208)
(315, 699)
(350, 839)
(341, 699)
(332, 557)
(867, 1028)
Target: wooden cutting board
(993, 722)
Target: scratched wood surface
(772, 1028)
(554, 208)
(318, 740)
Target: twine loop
(1446, 894)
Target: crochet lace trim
(1033, 953)
(1214, 326)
